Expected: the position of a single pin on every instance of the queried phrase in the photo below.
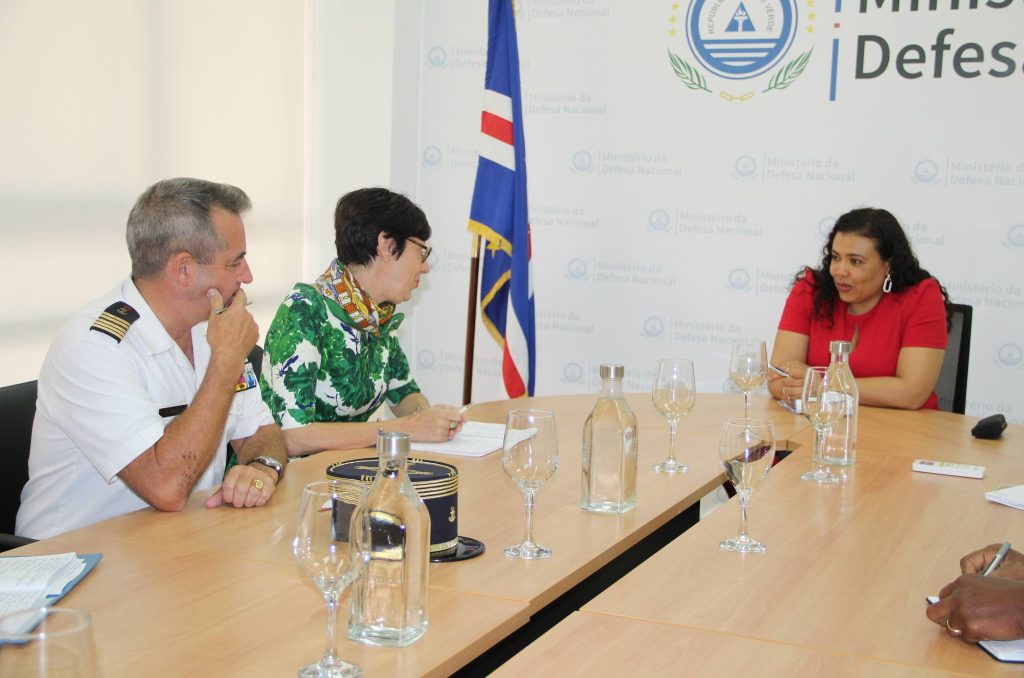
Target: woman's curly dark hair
(893, 247)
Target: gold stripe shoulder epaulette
(115, 320)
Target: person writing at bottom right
(870, 290)
(974, 607)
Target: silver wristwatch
(270, 462)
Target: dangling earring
(887, 283)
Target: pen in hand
(221, 310)
(1003, 550)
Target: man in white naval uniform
(143, 388)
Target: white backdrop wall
(669, 220)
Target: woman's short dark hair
(363, 214)
(893, 247)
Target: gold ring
(257, 483)
(955, 632)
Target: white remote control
(948, 468)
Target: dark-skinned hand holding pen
(986, 602)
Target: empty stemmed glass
(746, 448)
(824, 402)
(748, 368)
(529, 457)
(332, 547)
(673, 394)
(47, 642)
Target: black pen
(221, 310)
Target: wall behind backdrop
(102, 99)
(673, 202)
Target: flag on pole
(498, 213)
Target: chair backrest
(17, 410)
(952, 385)
(256, 358)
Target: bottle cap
(840, 348)
(612, 371)
(392, 442)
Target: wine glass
(746, 448)
(529, 456)
(748, 368)
(332, 547)
(824, 402)
(673, 394)
(47, 641)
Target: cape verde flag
(498, 213)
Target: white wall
(101, 99)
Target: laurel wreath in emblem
(781, 79)
(689, 75)
(785, 76)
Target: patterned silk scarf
(338, 284)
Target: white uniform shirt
(99, 408)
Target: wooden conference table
(841, 589)
(216, 592)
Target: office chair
(256, 358)
(17, 410)
(952, 385)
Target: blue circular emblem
(437, 57)
(1010, 354)
(739, 279)
(740, 39)
(926, 171)
(1015, 236)
(431, 156)
(658, 221)
(745, 166)
(426, 359)
(577, 268)
(654, 327)
(572, 373)
(581, 161)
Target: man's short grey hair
(173, 216)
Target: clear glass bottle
(841, 441)
(388, 604)
(610, 449)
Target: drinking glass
(746, 448)
(47, 642)
(529, 456)
(748, 368)
(673, 394)
(332, 547)
(824, 402)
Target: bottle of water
(389, 601)
(841, 442)
(610, 449)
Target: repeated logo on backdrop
(1015, 236)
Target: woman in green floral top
(332, 357)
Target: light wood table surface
(216, 591)
(848, 567)
(602, 645)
